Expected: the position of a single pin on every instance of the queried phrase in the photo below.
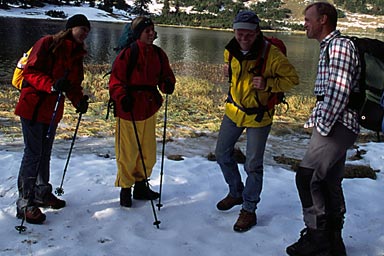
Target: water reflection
(180, 44)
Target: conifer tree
(166, 7)
(141, 6)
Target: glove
(127, 103)
(62, 85)
(82, 106)
(169, 87)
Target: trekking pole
(22, 228)
(55, 110)
(51, 124)
(156, 222)
(59, 191)
(159, 205)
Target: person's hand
(82, 106)
(169, 87)
(127, 103)
(258, 82)
(62, 85)
(225, 70)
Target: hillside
(352, 23)
(219, 14)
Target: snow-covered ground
(93, 223)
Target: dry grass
(195, 107)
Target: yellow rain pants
(128, 159)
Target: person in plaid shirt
(335, 129)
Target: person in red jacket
(54, 70)
(137, 101)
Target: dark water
(181, 44)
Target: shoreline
(37, 13)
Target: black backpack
(367, 101)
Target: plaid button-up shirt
(337, 75)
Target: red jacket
(146, 74)
(43, 69)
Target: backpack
(276, 97)
(368, 99)
(125, 39)
(17, 78)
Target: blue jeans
(256, 141)
(33, 180)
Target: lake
(181, 44)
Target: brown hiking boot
(32, 215)
(52, 202)
(245, 221)
(228, 202)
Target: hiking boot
(228, 202)
(335, 226)
(312, 242)
(51, 202)
(142, 192)
(32, 215)
(125, 197)
(337, 244)
(245, 221)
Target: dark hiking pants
(320, 174)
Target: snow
(93, 223)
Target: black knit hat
(77, 21)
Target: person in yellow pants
(137, 100)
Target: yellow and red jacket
(279, 74)
(44, 67)
(148, 74)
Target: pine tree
(166, 7)
(177, 6)
(141, 6)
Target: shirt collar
(329, 38)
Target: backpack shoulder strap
(230, 57)
(159, 53)
(134, 54)
(266, 47)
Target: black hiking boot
(31, 214)
(335, 225)
(228, 202)
(142, 192)
(245, 221)
(312, 242)
(125, 197)
(337, 243)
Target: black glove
(62, 85)
(127, 103)
(82, 106)
(169, 87)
